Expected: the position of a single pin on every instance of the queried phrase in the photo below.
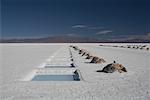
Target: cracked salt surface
(18, 60)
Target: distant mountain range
(71, 39)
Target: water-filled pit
(56, 75)
(56, 78)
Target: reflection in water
(56, 78)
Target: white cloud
(71, 34)
(88, 27)
(79, 26)
(104, 32)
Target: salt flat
(18, 60)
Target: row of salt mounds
(88, 55)
(139, 47)
(110, 68)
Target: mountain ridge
(71, 39)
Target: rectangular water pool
(55, 78)
(60, 66)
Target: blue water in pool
(57, 66)
(55, 78)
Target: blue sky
(86, 18)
